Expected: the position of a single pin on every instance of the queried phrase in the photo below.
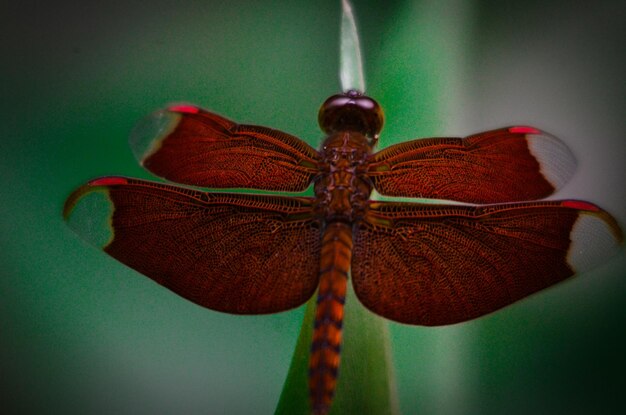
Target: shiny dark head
(351, 111)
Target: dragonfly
(415, 263)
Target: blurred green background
(81, 333)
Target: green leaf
(350, 62)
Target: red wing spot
(524, 130)
(108, 181)
(577, 204)
(186, 109)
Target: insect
(424, 264)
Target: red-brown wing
(506, 165)
(186, 144)
(435, 265)
(244, 254)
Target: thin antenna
(350, 63)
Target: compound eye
(351, 111)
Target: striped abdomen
(326, 345)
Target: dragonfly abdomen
(326, 345)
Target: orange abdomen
(326, 345)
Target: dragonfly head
(351, 111)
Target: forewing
(244, 254)
(506, 165)
(434, 265)
(188, 145)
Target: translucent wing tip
(89, 209)
(556, 161)
(145, 139)
(595, 237)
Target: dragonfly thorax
(342, 189)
